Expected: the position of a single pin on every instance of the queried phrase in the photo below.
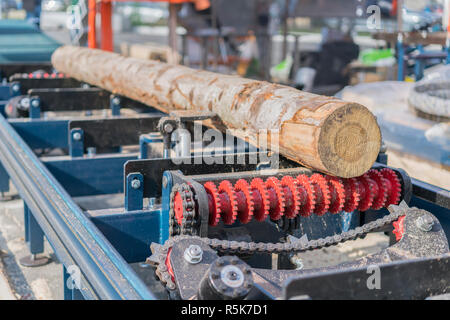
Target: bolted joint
(76, 136)
(116, 101)
(135, 184)
(425, 223)
(296, 261)
(167, 125)
(193, 254)
(15, 87)
(34, 103)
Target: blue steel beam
(131, 233)
(73, 236)
(84, 176)
(40, 134)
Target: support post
(106, 26)
(34, 236)
(76, 142)
(173, 28)
(134, 192)
(92, 12)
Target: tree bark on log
(327, 134)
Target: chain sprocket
(244, 248)
(189, 222)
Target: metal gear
(248, 248)
(393, 186)
(245, 201)
(228, 202)
(214, 203)
(399, 228)
(380, 190)
(292, 197)
(307, 195)
(322, 193)
(351, 195)
(277, 199)
(260, 199)
(337, 194)
(182, 213)
(366, 194)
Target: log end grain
(349, 141)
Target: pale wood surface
(324, 133)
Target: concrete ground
(43, 283)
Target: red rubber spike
(337, 194)
(292, 196)
(399, 228)
(214, 203)
(245, 201)
(260, 199)
(351, 195)
(307, 195)
(178, 207)
(228, 202)
(380, 190)
(322, 193)
(393, 186)
(365, 185)
(169, 264)
(276, 196)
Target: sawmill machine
(212, 220)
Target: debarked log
(327, 134)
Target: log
(324, 133)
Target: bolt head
(15, 87)
(34, 103)
(193, 254)
(168, 127)
(76, 136)
(165, 181)
(25, 102)
(425, 223)
(135, 184)
(116, 101)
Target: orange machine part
(105, 9)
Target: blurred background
(353, 49)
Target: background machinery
(226, 230)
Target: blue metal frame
(101, 243)
(74, 238)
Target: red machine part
(380, 190)
(337, 194)
(178, 207)
(228, 202)
(260, 199)
(399, 228)
(276, 198)
(307, 195)
(244, 201)
(351, 195)
(322, 193)
(214, 203)
(291, 197)
(393, 186)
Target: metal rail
(74, 238)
